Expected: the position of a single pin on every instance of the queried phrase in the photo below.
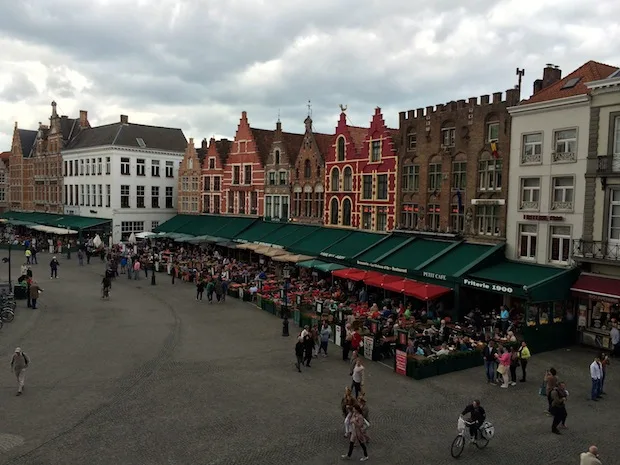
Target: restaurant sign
(543, 218)
(428, 274)
(401, 362)
(332, 255)
(382, 267)
(485, 286)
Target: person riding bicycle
(106, 284)
(477, 416)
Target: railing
(606, 164)
(597, 250)
(563, 157)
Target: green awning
(447, 266)
(173, 223)
(321, 265)
(289, 234)
(234, 226)
(355, 243)
(79, 222)
(258, 231)
(54, 220)
(536, 283)
(311, 263)
(318, 241)
(382, 248)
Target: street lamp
(9, 230)
(284, 296)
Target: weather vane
(309, 109)
(343, 108)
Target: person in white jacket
(596, 373)
(591, 457)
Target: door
(613, 231)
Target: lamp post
(9, 230)
(284, 295)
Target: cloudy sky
(196, 64)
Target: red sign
(543, 218)
(402, 338)
(401, 363)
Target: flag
(459, 200)
(494, 151)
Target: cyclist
(477, 416)
(106, 284)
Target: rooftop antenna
(278, 115)
(520, 74)
(309, 109)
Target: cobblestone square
(154, 377)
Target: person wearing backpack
(19, 363)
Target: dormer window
(277, 157)
(375, 151)
(140, 142)
(340, 149)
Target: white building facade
(548, 160)
(127, 173)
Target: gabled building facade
(189, 192)
(453, 167)
(21, 178)
(341, 185)
(5, 158)
(244, 172)
(308, 177)
(377, 177)
(213, 175)
(280, 159)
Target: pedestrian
(358, 433)
(218, 289)
(604, 364)
(34, 255)
(326, 334)
(591, 457)
(503, 358)
(363, 405)
(210, 289)
(28, 254)
(558, 407)
(514, 364)
(136, 269)
(614, 334)
(346, 343)
(173, 273)
(299, 353)
(596, 373)
(224, 289)
(200, 287)
(54, 264)
(309, 348)
(35, 290)
(316, 339)
(551, 381)
(19, 363)
(80, 255)
(490, 363)
(524, 357)
(357, 377)
(123, 264)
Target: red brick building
(189, 197)
(341, 165)
(377, 177)
(213, 175)
(243, 184)
(5, 158)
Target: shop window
(409, 215)
(528, 237)
(560, 244)
(488, 220)
(346, 212)
(433, 217)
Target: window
(382, 218)
(169, 196)
(154, 196)
(565, 146)
(125, 166)
(367, 218)
(346, 212)
(81, 167)
(433, 217)
(154, 225)
(100, 195)
(272, 178)
(99, 165)
(560, 244)
(340, 149)
(528, 234)
(530, 193)
(333, 211)
(140, 167)
(367, 186)
(140, 142)
(488, 220)
(412, 142)
(434, 177)
(269, 206)
(108, 195)
(184, 183)
(563, 190)
(457, 215)
(71, 168)
(88, 167)
(195, 184)
(107, 165)
(459, 175)
(616, 137)
(241, 202)
(170, 169)
(236, 175)
(409, 215)
(207, 183)
(490, 173)
(155, 168)
(571, 83)
(348, 180)
(285, 214)
(297, 203)
(307, 169)
(375, 151)
(217, 183)
(382, 187)
(531, 152)
(216, 204)
(82, 194)
(335, 182)
(411, 178)
(613, 233)
(308, 203)
(124, 196)
(88, 195)
(206, 204)
(247, 174)
(319, 200)
(65, 169)
(447, 135)
(75, 167)
(190, 164)
(282, 175)
(492, 131)
(276, 157)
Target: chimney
(83, 119)
(538, 85)
(551, 75)
(279, 126)
(205, 144)
(124, 119)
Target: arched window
(335, 185)
(333, 211)
(340, 154)
(277, 157)
(348, 181)
(346, 212)
(307, 169)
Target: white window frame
(140, 167)
(564, 149)
(527, 194)
(375, 151)
(536, 155)
(561, 237)
(563, 204)
(486, 221)
(529, 237)
(490, 180)
(412, 142)
(448, 136)
(613, 203)
(125, 166)
(490, 130)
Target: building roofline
(549, 104)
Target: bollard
(152, 278)
(285, 327)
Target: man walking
(614, 334)
(34, 293)
(596, 373)
(19, 363)
(490, 364)
(591, 457)
(54, 264)
(299, 353)
(326, 334)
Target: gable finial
(309, 108)
(278, 115)
(343, 108)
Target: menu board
(401, 362)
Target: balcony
(532, 206)
(564, 157)
(596, 251)
(562, 206)
(607, 165)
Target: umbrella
(132, 238)
(97, 241)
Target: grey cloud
(58, 84)
(18, 88)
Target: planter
(296, 316)
(422, 371)
(233, 293)
(259, 301)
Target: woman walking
(504, 367)
(551, 382)
(200, 288)
(514, 363)
(524, 357)
(357, 377)
(358, 433)
(604, 363)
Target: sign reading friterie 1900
(483, 285)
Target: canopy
(321, 265)
(52, 230)
(291, 258)
(416, 289)
(601, 286)
(380, 280)
(274, 252)
(248, 246)
(145, 235)
(350, 273)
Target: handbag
(501, 369)
(542, 390)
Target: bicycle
(484, 434)
(7, 314)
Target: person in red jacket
(356, 340)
